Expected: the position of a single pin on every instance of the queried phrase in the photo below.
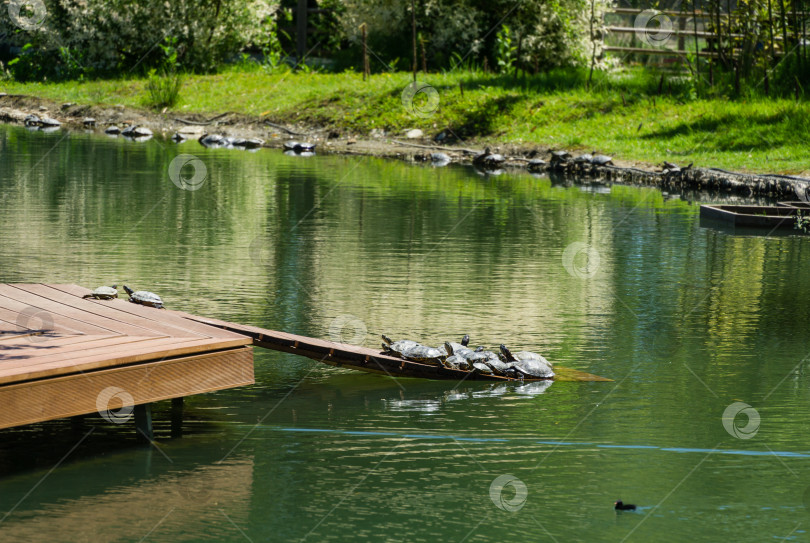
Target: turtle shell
(104, 293)
(528, 355)
(480, 367)
(533, 368)
(423, 353)
(586, 158)
(532, 365)
(144, 297)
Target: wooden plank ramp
(369, 360)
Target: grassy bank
(632, 115)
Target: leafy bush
(163, 86)
(109, 36)
(551, 33)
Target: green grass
(623, 115)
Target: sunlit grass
(622, 115)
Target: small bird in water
(621, 506)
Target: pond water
(690, 322)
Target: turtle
(248, 143)
(413, 351)
(88, 122)
(136, 131)
(439, 159)
(527, 364)
(536, 164)
(211, 140)
(480, 367)
(32, 120)
(103, 293)
(304, 147)
(144, 297)
(498, 366)
(456, 363)
(299, 147)
(487, 159)
(560, 156)
(178, 137)
(290, 145)
(602, 160)
(113, 130)
(670, 166)
(449, 346)
(458, 350)
(587, 158)
(480, 355)
(48, 121)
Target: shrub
(108, 36)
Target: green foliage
(504, 50)
(104, 37)
(163, 84)
(35, 64)
(802, 223)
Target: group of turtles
(216, 141)
(41, 123)
(143, 297)
(489, 161)
(132, 131)
(458, 356)
(564, 157)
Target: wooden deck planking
(111, 309)
(25, 352)
(51, 341)
(10, 312)
(69, 312)
(173, 318)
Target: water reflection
(456, 394)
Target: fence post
(301, 30)
(366, 68)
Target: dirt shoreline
(14, 109)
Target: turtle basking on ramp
(413, 351)
(144, 297)
(527, 364)
(103, 293)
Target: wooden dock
(62, 355)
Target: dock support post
(77, 423)
(177, 417)
(143, 421)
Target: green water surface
(689, 321)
